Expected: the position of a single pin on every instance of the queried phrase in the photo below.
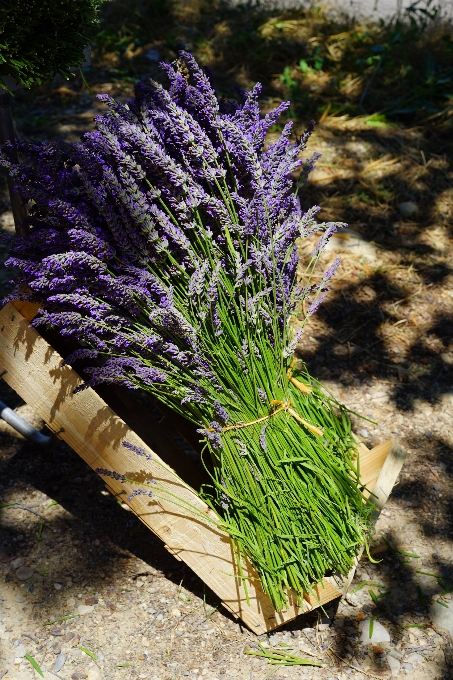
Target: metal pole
(7, 133)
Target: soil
(102, 591)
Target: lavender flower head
(120, 228)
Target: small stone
(93, 674)
(56, 647)
(84, 609)
(20, 651)
(439, 657)
(20, 538)
(396, 654)
(380, 634)
(394, 665)
(91, 600)
(15, 564)
(363, 433)
(5, 556)
(57, 586)
(175, 612)
(442, 617)
(78, 676)
(96, 541)
(408, 208)
(68, 636)
(414, 659)
(59, 662)
(24, 573)
(447, 358)
(352, 599)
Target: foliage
(41, 39)
(165, 243)
(318, 58)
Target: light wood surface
(83, 420)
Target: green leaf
(35, 664)
(373, 597)
(367, 583)
(442, 603)
(125, 665)
(370, 634)
(6, 505)
(88, 653)
(63, 618)
(279, 657)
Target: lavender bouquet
(165, 243)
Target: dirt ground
(96, 580)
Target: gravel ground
(79, 572)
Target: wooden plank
(382, 488)
(96, 432)
(388, 474)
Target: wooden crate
(96, 430)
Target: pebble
(380, 634)
(57, 586)
(15, 564)
(78, 676)
(414, 659)
(85, 609)
(93, 674)
(352, 599)
(175, 612)
(24, 573)
(442, 617)
(363, 433)
(20, 651)
(408, 208)
(59, 662)
(4, 556)
(394, 665)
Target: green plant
(39, 40)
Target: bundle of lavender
(165, 243)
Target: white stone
(414, 659)
(59, 662)
(442, 617)
(57, 586)
(380, 634)
(20, 651)
(94, 674)
(394, 665)
(85, 609)
(175, 612)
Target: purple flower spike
(137, 450)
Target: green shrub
(40, 38)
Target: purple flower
(136, 449)
(139, 492)
(263, 440)
(111, 473)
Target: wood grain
(96, 432)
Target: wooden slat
(95, 432)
